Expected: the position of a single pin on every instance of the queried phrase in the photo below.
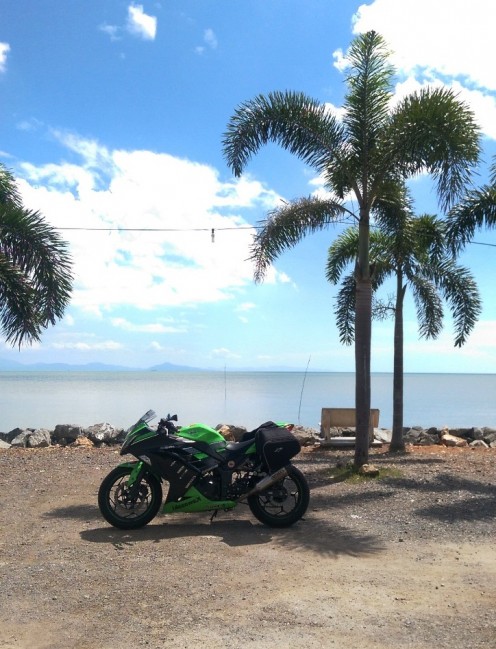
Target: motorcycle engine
(209, 486)
(241, 484)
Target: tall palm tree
(373, 147)
(35, 268)
(414, 251)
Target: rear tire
(126, 512)
(284, 503)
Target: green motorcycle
(204, 473)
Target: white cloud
(133, 190)
(447, 42)
(154, 327)
(454, 37)
(210, 40)
(223, 352)
(141, 24)
(111, 30)
(4, 50)
(108, 345)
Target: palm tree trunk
(363, 341)
(397, 442)
(363, 318)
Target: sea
(32, 399)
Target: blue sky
(112, 117)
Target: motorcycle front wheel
(284, 503)
(125, 508)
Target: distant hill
(169, 367)
(7, 365)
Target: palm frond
(367, 100)
(32, 251)
(432, 130)
(9, 194)
(460, 291)
(345, 310)
(428, 305)
(287, 225)
(476, 210)
(293, 120)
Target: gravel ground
(407, 561)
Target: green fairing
(141, 433)
(202, 433)
(194, 501)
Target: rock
(4, 444)
(21, 440)
(477, 434)
(452, 440)
(368, 470)
(66, 434)
(226, 433)
(383, 435)
(489, 435)
(8, 437)
(39, 438)
(478, 443)
(230, 432)
(103, 434)
(306, 436)
(82, 441)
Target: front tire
(284, 503)
(122, 509)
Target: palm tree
(373, 147)
(35, 268)
(412, 250)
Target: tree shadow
(477, 503)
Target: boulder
(383, 435)
(21, 440)
(4, 444)
(226, 433)
(231, 433)
(66, 434)
(478, 443)
(82, 441)
(8, 437)
(39, 438)
(103, 434)
(306, 436)
(452, 440)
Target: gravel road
(408, 561)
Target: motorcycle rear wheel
(126, 511)
(284, 503)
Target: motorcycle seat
(237, 448)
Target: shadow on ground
(310, 534)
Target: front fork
(134, 479)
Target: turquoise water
(45, 399)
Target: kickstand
(216, 511)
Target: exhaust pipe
(266, 482)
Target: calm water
(44, 399)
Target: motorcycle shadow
(310, 534)
(234, 533)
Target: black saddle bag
(276, 446)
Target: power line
(212, 230)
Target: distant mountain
(7, 365)
(169, 367)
